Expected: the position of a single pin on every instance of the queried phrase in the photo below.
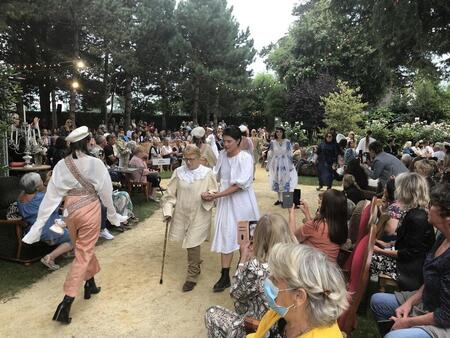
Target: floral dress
(282, 174)
(248, 294)
(387, 264)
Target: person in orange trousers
(83, 182)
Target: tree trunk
(216, 109)
(111, 111)
(128, 98)
(104, 111)
(196, 99)
(164, 108)
(54, 115)
(19, 106)
(76, 54)
(44, 101)
(208, 113)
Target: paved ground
(132, 302)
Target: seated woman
(354, 168)
(424, 313)
(28, 203)
(247, 286)
(306, 294)
(139, 160)
(328, 230)
(392, 207)
(415, 236)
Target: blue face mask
(271, 294)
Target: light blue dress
(29, 212)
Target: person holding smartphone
(327, 231)
(247, 286)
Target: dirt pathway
(132, 302)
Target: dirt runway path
(132, 303)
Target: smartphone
(360, 155)
(365, 157)
(297, 196)
(246, 231)
(385, 326)
(288, 200)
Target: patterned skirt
(383, 264)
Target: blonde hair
(348, 181)
(192, 149)
(139, 149)
(411, 189)
(424, 168)
(270, 230)
(304, 267)
(408, 144)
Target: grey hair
(406, 160)
(304, 267)
(411, 189)
(31, 182)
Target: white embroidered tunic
(191, 216)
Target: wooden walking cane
(164, 251)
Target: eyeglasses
(187, 159)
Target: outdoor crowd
(292, 290)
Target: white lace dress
(282, 174)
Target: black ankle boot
(223, 282)
(90, 288)
(63, 310)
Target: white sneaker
(106, 234)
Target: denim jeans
(383, 306)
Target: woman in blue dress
(28, 203)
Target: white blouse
(62, 181)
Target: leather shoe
(222, 283)
(188, 286)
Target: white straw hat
(78, 134)
(198, 132)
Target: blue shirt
(436, 293)
(29, 212)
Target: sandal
(49, 263)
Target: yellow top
(271, 317)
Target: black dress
(415, 238)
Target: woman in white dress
(282, 174)
(236, 200)
(189, 214)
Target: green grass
(165, 174)
(16, 276)
(314, 181)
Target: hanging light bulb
(75, 85)
(80, 64)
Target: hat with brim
(198, 132)
(78, 134)
(243, 128)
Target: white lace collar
(190, 176)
